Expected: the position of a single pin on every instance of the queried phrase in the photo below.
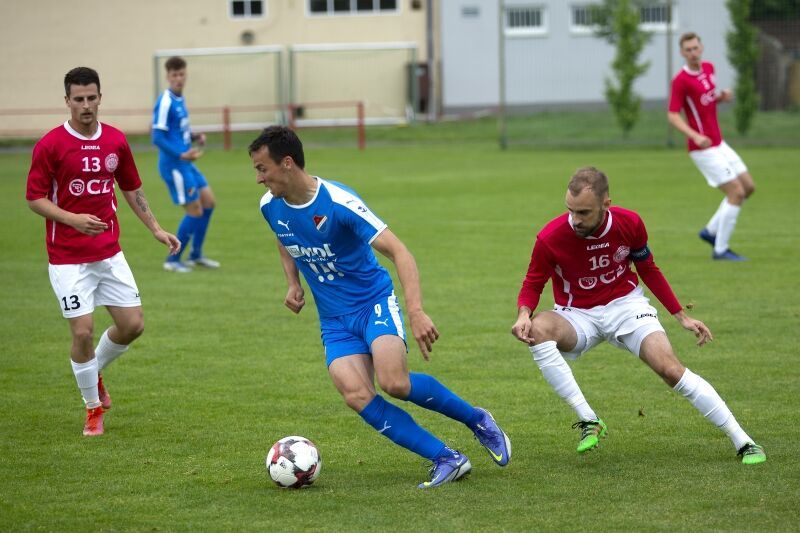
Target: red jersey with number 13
(77, 174)
(595, 270)
(696, 94)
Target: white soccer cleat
(176, 266)
(203, 262)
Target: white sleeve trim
(377, 233)
(267, 198)
(163, 112)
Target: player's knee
(749, 189)
(543, 330)
(131, 330)
(83, 335)
(358, 399)
(672, 374)
(395, 386)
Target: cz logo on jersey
(102, 186)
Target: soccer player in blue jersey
(325, 231)
(187, 186)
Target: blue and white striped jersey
(171, 131)
(329, 238)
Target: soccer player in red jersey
(588, 253)
(694, 91)
(71, 184)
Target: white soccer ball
(294, 462)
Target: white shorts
(79, 288)
(623, 322)
(719, 164)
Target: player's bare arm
(295, 295)
(422, 327)
(83, 222)
(138, 202)
(699, 329)
(522, 327)
(677, 122)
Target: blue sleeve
(362, 221)
(162, 140)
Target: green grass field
(223, 369)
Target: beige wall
(41, 41)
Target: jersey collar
(605, 231)
(320, 181)
(691, 72)
(77, 135)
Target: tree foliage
(743, 55)
(618, 23)
(775, 10)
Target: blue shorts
(353, 333)
(184, 182)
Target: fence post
(226, 127)
(362, 136)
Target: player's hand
(702, 141)
(295, 299)
(201, 139)
(424, 331)
(169, 239)
(88, 224)
(192, 154)
(523, 329)
(699, 329)
(726, 95)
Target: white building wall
(560, 67)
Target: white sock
(705, 399)
(86, 376)
(727, 222)
(107, 350)
(558, 374)
(713, 225)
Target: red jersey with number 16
(595, 270)
(77, 174)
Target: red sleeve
(127, 175)
(652, 277)
(677, 95)
(650, 273)
(40, 176)
(540, 270)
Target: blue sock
(184, 234)
(427, 392)
(200, 234)
(397, 425)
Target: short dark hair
(81, 76)
(175, 63)
(589, 178)
(281, 141)
(688, 36)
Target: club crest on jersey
(112, 162)
(621, 253)
(76, 187)
(319, 221)
(587, 283)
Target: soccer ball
(293, 462)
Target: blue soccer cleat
(446, 469)
(706, 236)
(493, 438)
(728, 255)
